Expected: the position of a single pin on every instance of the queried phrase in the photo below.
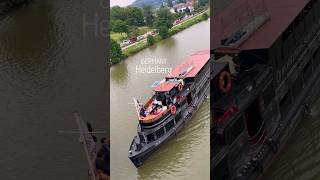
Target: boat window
(142, 138)
(189, 99)
(174, 91)
(253, 119)
(315, 54)
(178, 117)
(284, 103)
(160, 132)
(307, 72)
(188, 80)
(150, 137)
(169, 125)
(160, 96)
(268, 94)
(234, 129)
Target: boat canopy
(191, 66)
(165, 86)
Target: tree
(205, 16)
(164, 22)
(148, 15)
(118, 13)
(150, 39)
(169, 2)
(131, 15)
(120, 26)
(134, 31)
(187, 10)
(135, 16)
(115, 52)
(163, 32)
(164, 18)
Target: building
(183, 7)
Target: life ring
(173, 109)
(180, 87)
(225, 82)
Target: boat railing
(244, 93)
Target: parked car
(133, 40)
(139, 38)
(124, 43)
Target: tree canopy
(131, 15)
(164, 18)
(115, 52)
(120, 26)
(148, 15)
(164, 22)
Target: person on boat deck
(106, 148)
(181, 81)
(143, 111)
(156, 102)
(101, 164)
(169, 100)
(157, 110)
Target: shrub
(150, 40)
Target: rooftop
(164, 87)
(241, 12)
(191, 65)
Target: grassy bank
(184, 25)
(119, 37)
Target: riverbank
(174, 30)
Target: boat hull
(139, 157)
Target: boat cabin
(165, 95)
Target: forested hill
(154, 3)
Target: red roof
(239, 12)
(194, 62)
(164, 87)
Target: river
(300, 158)
(48, 69)
(187, 155)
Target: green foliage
(188, 11)
(120, 26)
(133, 31)
(150, 39)
(185, 25)
(179, 15)
(164, 22)
(115, 52)
(118, 36)
(205, 16)
(148, 15)
(133, 16)
(163, 32)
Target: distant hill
(154, 3)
